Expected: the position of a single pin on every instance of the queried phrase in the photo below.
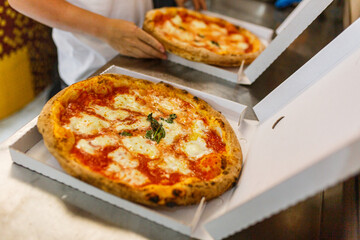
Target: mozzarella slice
(177, 20)
(109, 113)
(86, 124)
(237, 37)
(173, 165)
(195, 149)
(172, 105)
(171, 131)
(242, 45)
(122, 157)
(90, 146)
(130, 176)
(141, 123)
(129, 102)
(169, 28)
(196, 24)
(140, 145)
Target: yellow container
(27, 59)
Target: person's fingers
(150, 40)
(180, 3)
(202, 4)
(196, 5)
(149, 50)
(136, 53)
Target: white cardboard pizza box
(307, 138)
(301, 17)
(29, 151)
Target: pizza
(202, 38)
(150, 143)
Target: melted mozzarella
(196, 149)
(130, 176)
(172, 105)
(122, 157)
(177, 20)
(140, 145)
(133, 177)
(196, 24)
(237, 37)
(218, 28)
(169, 28)
(129, 102)
(141, 123)
(109, 113)
(103, 141)
(85, 146)
(171, 131)
(186, 36)
(173, 165)
(90, 146)
(199, 127)
(86, 124)
(242, 45)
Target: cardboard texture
(304, 14)
(351, 12)
(315, 145)
(307, 141)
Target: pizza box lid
(301, 17)
(307, 138)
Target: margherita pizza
(146, 142)
(198, 37)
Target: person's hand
(130, 40)
(198, 4)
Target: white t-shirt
(79, 55)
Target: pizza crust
(60, 141)
(199, 54)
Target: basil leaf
(125, 134)
(149, 134)
(215, 43)
(171, 118)
(157, 131)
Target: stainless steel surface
(35, 207)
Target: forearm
(63, 15)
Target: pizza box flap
(301, 17)
(305, 144)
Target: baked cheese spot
(195, 149)
(242, 45)
(140, 123)
(217, 28)
(197, 25)
(130, 176)
(128, 101)
(166, 104)
(177, 20)
(90, 146)
(140, 145)
(86, 124)
(172, 130)
(171, 164)
(123, 158)
(110, 114)
(199, 127)
(237, 37)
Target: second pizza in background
(202, 38)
